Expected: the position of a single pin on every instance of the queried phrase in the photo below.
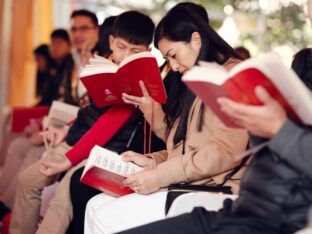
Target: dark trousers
(80, 195)
(201, 221)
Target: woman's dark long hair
(41, 77)
(178, 26)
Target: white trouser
(105, 214)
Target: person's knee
(18, 145)
(24, 179)
(31, 179)
(90, 208)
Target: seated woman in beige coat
(200, 149)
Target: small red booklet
(21, 116)
(211, 81)
(105, 170)
(105, 81)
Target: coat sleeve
(293, 144)
(222, 153)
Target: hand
(55, 135)
(49, 168)
(31, 128)
(138, 159)
(263, 121)
(143, 182)
(85, 53)
(84, 101)
(145, 103)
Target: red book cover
(21, 116)
(105, 171)
(106, 181)
(211, 81)
(105, 81)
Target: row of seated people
(191, 145)
(58, 66)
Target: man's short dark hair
(60, 33)
(134, 27)
(86, 13)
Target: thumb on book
(263, 95)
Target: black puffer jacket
(86, 117)
(129, 137)
(277, 186)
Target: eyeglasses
(82, 29)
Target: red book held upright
(210, 81)
(106, 81)
(105, 170)
(21, 116)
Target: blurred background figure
(43, 62)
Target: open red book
(60, 114)
(105, 81)
(210, 81)
(22, 116)
(105, 170)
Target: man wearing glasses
(84, 37)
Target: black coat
(277, 186)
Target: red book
(211, 81)
(105, 81)
(21, 116)
(105, 171)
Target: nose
(174, 65)
(125, 54)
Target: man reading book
(117, 128)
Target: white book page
(132, 57)
(89, 70)
(98, 65)
(207, 72)
(61, 113)
(110, 161)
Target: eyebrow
(166, 55)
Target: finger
(129, 155)
(130, 181)
(42, 168)
(134, 188)
(263, 95)
(232, 109)
(46, 172)
(135, 99)
(130, 102)
(48, 164)
(143, 88)
(44, 133)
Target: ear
(149, 49)
(196, 41)
(111, 42)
